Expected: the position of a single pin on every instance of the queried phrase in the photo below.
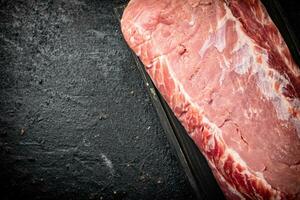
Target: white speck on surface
(65, 19)
(108, 163)
(97, 34)
(77, 2)
(86, 143)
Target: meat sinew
(227, 74)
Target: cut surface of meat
(227, 74)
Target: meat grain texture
(227, 74)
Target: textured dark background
(75, 121)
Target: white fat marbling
(207, 44)
(220, 39)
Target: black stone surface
(291, 10)
(75, 120)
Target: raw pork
(227, 74)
